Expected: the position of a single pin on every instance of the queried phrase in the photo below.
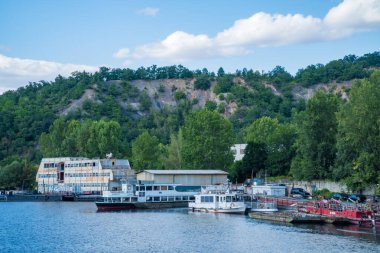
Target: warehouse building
(184, 177)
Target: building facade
(238, 150)
(82, 175)
(184, 177)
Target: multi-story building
(82, 175)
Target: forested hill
(120, 110)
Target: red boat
(335, 209)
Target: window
(164, 198)
(178, 198)
(141, 194)
(156, 188)
(149, 188)
(170, 187)
(148, 199)
(164, 188)
(142, 188)
(181, 188)
(228, 199)
(156, 199)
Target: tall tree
(174, 157)
(278, 140)
(315, 144)
(146, 152)
(208, 138)
(359, 135)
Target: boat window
(207, 199)
(156, 199)
(142, 188)
(170, 187)
(192, 198)
(133, 199)
(164, 198)
(141, 194)
(228, 198)
(217, 198)
(164, 187)
(183, 188)
(148, 199)
(149, 188)
(170, 198)
(137, 188)
(185, 198)
(156, 188)
(178, 198)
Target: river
(78, 227)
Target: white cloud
(149, 11)
(122, 53)
(16, 72)
(263, 30)
(353, 16)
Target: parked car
(299, 192)
(340, 196)
(357, 198)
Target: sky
(40, 39)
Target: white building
(238, 150)
(184, 177)
(270, 190)
(81, 175)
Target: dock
(288, 217)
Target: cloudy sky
(40, 39)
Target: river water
(78, 227)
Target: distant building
(82, 175)
(184, 177)
(238, 150)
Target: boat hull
(239, 210)
(287, 217)
(119, 206)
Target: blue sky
(41, 39)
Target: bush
(202, 83)
(178, 95)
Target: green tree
(278, 140)
(358, 145)
(202, 83)
(174, 157)
(316, 141)
(146, 152)
(208, 138)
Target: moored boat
(147, 196)
(288, 217)
(339, 213)
(218, 200)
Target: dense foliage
(326, 137)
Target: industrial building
(184, 177)
(82, 175)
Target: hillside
(158, 100)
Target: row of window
(154, 188)
(207, 199)
(73, 165)
(170, 199)
(77, 185)
(103, 174)
(178, 188)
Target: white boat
(218, 201)
(146, 196)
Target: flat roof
(185, 172)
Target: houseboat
(217, 200)
(147, 196)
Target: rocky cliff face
(162, 93)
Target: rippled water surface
(77, 227)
